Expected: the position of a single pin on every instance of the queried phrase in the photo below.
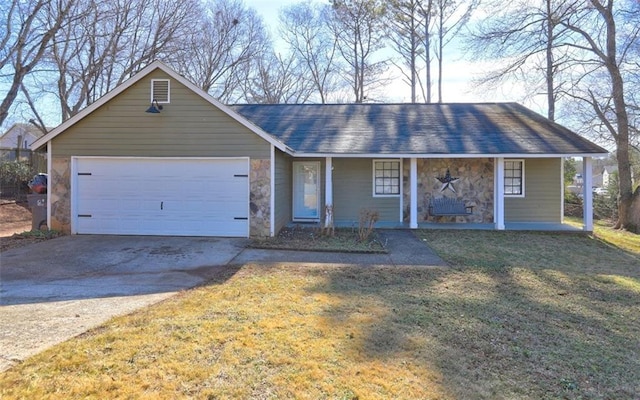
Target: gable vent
(160, 90)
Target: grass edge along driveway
(519, 315)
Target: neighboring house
(15, 142)
(201, 168)
(606, 175)
(577, 180)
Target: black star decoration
(447, 181)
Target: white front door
(306, 190)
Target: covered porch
(411, 204)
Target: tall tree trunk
(356, 76)
(551, 102)
(413, 55)
(626, 196)
(427, 54)
(440, 51)
(12, 93)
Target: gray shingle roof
(485, 128)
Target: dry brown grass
(623, 239)
(546, 323)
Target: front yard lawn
(518, 315)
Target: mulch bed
(311, 239)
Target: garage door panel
(187, 197)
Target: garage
(160, 196)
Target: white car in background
(600, 191)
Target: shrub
(368, 219)
(14, 176)
(605, 206)
(573, 205)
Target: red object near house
(38, 184)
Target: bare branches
(358, 27)
(278, 80)
(221, 54)
(407, 21)
(39, 22)
(304, 27)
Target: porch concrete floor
(509, 226)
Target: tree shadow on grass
(496, 332)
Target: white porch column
(562, 189)
(272, 196)
(587, 194)
(328, 190)
(498, 200)
(413, 184)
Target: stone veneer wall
(260, 192)
(474, 187)
(60, 184)
(259, 197)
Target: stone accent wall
(60, 183)
(259, 197)
(474, 187)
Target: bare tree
(218, 54)
(111, 42)
(605, 36)
(592, 46)
(529, 37)
(279, 80)
(451, 17)
(421, 30)
(304, 27)
(406, 33)
(27, 33)
(359, 28)
(428, 21)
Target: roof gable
(136, 78)
(27, 132)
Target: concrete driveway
(57, 289)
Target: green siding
(283, 190)
(353, 191)
(188, 126)
(543, 193)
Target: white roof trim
(139, 76)
(426, 155)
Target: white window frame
(399, 177)
(522, 178)
(168, 100)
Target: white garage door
(162, 196)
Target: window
(514, 178)
(386, 178)
(160, 90)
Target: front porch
(480, 182)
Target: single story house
(189, 165)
